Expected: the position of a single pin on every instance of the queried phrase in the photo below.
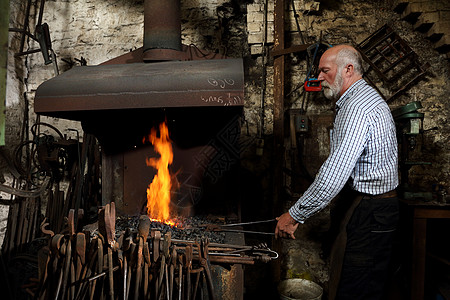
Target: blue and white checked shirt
(363, 148)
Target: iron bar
(248, 223)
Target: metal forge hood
(197, 83)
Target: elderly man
(362, 168)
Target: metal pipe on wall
(4, 19)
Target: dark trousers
(366, 248)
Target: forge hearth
(188, 229)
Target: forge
(164, 87)
(200, 98)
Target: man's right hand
(286, 226)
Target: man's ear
(349, 70)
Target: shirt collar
(349, 92)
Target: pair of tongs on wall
(227, 227)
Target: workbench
(417, 215)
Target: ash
(189, 229)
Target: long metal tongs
(224, 227)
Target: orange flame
(158, 192)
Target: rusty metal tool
(180, 276)
(72, 232)
(188, 265)
(44, 275)
(67, 249)
(248, 223)
(132, 262)
(111, 217)
(243, 231)
(56, 247)
(44, 230)
(147, 274)
(87, 270)
(199, 272)
(204, 262)
(111, 273)
(126, 246)
(71, 222)
(125, 272)
(107, 227)
(156, 237)
(68, 272)
(81, 253)
(72, 275)
(173, 263)
(166, 254)
(166, 278)
(99, 264)
(102, 274)
(225, 227)
(143, 231)
(161, 277)
(146, 279)
(166, 275)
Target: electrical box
(301, 123)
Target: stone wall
(101, 30)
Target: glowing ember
(167, 222)
(158, 192)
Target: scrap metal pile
(140, 263)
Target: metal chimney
(162, 30)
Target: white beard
(332, 92)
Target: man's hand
(286, 226)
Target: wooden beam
(292, 49)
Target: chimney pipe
(162, 30)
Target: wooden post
(278, 118)
(278, 106)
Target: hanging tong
(226, 227)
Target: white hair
(351, 56)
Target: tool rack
(135, 263)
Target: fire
(158, 191)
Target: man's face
(333, 91)
(331, 79)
